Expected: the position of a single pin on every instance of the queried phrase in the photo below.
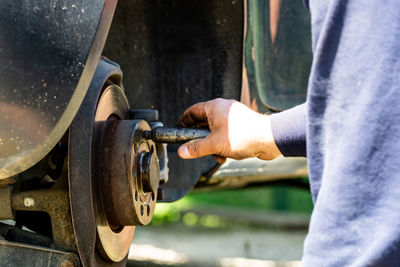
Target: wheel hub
(127, 175)
(114, 172)
(129, 170)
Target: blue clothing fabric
(352, 134)
(289, 131)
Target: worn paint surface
(47, 59)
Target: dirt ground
(180, 245)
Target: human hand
(235, 132)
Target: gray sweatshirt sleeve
(289, 131)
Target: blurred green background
(208, 208)
(255, 226)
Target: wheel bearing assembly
(114, 171)
(129, 169)
(125, 163)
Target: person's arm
(289, 131)
(236, 131)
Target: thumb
(195, 149)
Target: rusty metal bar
(16, 254)
(175, 135)
(6, 212)
(56, 204)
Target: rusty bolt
(149, 171)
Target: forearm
(238, 132)
(289, 131)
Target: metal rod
(173, 135)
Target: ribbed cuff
(289, 131)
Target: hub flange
(130, 172)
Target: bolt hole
(141, 210)
(136, 196)
(148, 210)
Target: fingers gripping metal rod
(172, 135)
